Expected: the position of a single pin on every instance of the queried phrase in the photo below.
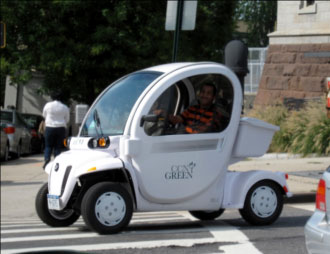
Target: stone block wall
(296, 71)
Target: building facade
(25, 98)
(298, 57)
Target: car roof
(166, 68)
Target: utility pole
(180, 15)
(177, 30)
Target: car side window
(20, 121)
(198, 104)
(211, 110)
(164, 105)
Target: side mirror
(148, 118)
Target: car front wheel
(53, 218)
(263, 203)
(107, 208)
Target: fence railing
(256, 61)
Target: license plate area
(53, 202)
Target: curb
(285, 156)
(300, 198)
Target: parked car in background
(317, 228)
(37, 141)
(4, 148)
(18, 132)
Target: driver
(203, 117)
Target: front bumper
(65, 171)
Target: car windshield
(109, 115)
(32, 121)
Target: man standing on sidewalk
(56, 116)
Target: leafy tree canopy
(82, 46)
(260, 16)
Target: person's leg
(48, 145)
(60, 136)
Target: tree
(260, 16)
(82, 46)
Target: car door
(24, 134)
(3, 140)
(173, 166)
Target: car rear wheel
(53, 218)
(107, 208)
(19, 151)
(263, 203)
(207, 215)
(6, 155)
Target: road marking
(232, 234)
(117, 246)
(34, 230)
(91, 234)
(229, 234)
(76, 227)
(6, 226)
(12, 221)
(224, 233)
(48, 237)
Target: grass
(306, 131)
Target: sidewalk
(304, 173)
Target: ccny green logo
(179, 172)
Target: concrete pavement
(304, 173)
(21, 176)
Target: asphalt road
(165, 232)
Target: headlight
(66, 142)
(103, 142)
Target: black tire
(207, 215)
(263, 203)
(53, 218)
(107, 208)
(6, 155)
(19, 151)
(30, 149)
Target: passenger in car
(203, 117)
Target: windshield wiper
(98, 122)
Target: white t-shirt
(56, 114)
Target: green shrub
(305, 131)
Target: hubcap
(264, 201)
(110, 208)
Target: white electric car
(126, 159)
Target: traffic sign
(188, 15)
